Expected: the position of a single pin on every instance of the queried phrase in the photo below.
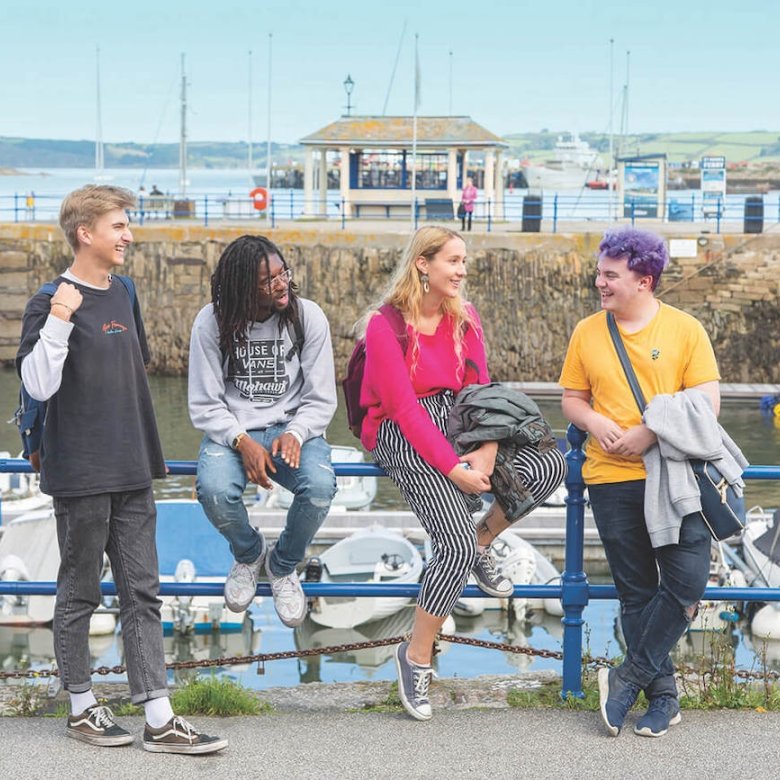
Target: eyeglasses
(284, 278)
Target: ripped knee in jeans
(691, 612)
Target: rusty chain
(261, 658)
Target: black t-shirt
(100, 434)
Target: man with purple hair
(659, 587)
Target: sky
(512, 65)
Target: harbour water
(50, 186)
(264, 633)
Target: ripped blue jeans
(220, 486)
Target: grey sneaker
(616, 698)
(289, 599)
(241, 583)
(97, 726)
(488, 578)
(413, 683)
(179, 736)
(664, 711)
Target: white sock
(80, 701)
(158, 711)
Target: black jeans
(658, 588)
(123, 525)
(466, 217)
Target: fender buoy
(259, 197)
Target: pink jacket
(390, 392)
(468, 197)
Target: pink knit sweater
(389, 392)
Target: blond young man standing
(83, 350)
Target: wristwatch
(237, 440)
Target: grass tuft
(213, 696)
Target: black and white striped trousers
(442, 508)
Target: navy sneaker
(489, 579)
(664, 711)
(616, 698)
(413, 682)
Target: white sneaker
(241, 584)
(289, 599)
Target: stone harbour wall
(530, 289)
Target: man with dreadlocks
(262, 389)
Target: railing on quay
(574, 591)
(546, 211)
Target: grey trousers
(123, 525)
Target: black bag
(461, 211)
(722, 510)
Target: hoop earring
(424, 279)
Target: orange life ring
(259, 197)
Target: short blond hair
(84, 205)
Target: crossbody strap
(628, 369)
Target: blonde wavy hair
(405, 290)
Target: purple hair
(645, 252)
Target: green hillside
(756, 147)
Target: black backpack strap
(628, 369)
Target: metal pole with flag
(414, 129)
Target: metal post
(206, 210)
(343, 216)
(718, 215)
(141, 210)
(693, 207)
(489, 216)
(273, 213)
(574, 581)
(633, 219)
(16, 207)
(416, 208)
(555, 213)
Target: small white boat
(19, 494)
(761, 546)
(29, 552)
(371, 555)
(190, 550)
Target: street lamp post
(349, 85)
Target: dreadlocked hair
(235, 289)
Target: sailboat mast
(249, 163)
(268, 147)
(183, 140)
(99, 119)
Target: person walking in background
(660, 565)
(83, 349)
(468, 198)
(408, 397)
(262, 389)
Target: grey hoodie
(257, 387)
(686, 427)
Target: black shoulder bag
(722, 510)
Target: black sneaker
(97, 726)
(664, 711)
(413, 682)
(616, 698)
(488, 578)
(179, 736)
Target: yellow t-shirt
(670, 353)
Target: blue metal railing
(574, 590)
(538, 212)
